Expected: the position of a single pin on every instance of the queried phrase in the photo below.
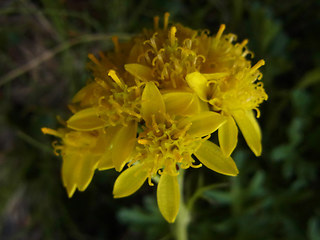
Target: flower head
(234, 95)
(216, 68)
(165, 145)
(116, 112)
(152, 105)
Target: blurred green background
(43, 54)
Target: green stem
(34, 142)
(200, 192)
(183, 218)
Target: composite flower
(235, 95)
(216, 67)
(115, 111)
(151, 106)
(167, 144)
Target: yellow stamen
(154, 123)
(101, 83)
(166, 20)
(196, 166)
(258, 112)
(115, 41)
(172, 35)
(150, 182)
(144, 141)
(221, 29)
(102, 101)
(115, 78)
(244, 42)
(257, 65)
(93, 59)
(156, 22)
(56, 148)
(51, 132)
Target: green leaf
(310, 78)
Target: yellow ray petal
(228, 136)
(102, 141)
(86, 120)
(86, 171)
(168, 197)
(67, 174)
(250, 130)
(205, 123)
(83, 92)
(198, 83)
(210, 155)
(152, 104)
(181, 103)
(77, 170)
(105, 161)
(141, 72)
(129, 181)
(123, 144)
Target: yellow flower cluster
(152, 105)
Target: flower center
(171, 56)
(165, 146)
(239, 91)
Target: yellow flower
(234, 96)
(228, 83)
(216, 68)
(167, 143)
(152, 104)
(115, 111)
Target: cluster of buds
(151, 106)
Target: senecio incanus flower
(151, 107)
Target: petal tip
(171, 220)
(117, 196)
(258, 153)
(235, 174)
(71, 191)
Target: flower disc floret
(167, 146)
